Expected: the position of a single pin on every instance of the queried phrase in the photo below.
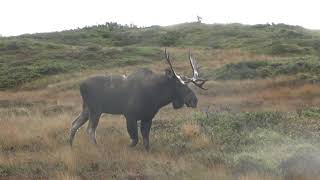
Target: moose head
(182, 92)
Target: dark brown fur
(138, 97)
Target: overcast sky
(30, 16)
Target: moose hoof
(133, 143)
(147, 148)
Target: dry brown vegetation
(34, 124)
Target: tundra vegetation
(259, 118)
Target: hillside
(277, 39)
(28, 57)
(259, 118)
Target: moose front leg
(132, 131)
(145, 131)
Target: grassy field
(258, 120)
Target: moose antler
(199, 82)
(171, 67)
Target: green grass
(305, 68)
(278, 39)
(33, 56)
(25, 62)
(249, 141)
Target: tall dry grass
(35, 145)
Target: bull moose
(138, 96)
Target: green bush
(14, 45)
(279, 48)
(170, 38)
(232, 131)
(50, 61)
(93, 48)
(254, 141)
(264, 69)
(246, 164)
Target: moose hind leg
(132, 129)
(145, 131)
(77, 123)
(92, 126)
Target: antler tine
(190, 60)
(194, 67)
(171, 67)
(168, 59)
(200, 85)
(199, 82)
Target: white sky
(30, 16)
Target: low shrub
(266, 69)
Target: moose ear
(169, 73)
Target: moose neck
(165, 92)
